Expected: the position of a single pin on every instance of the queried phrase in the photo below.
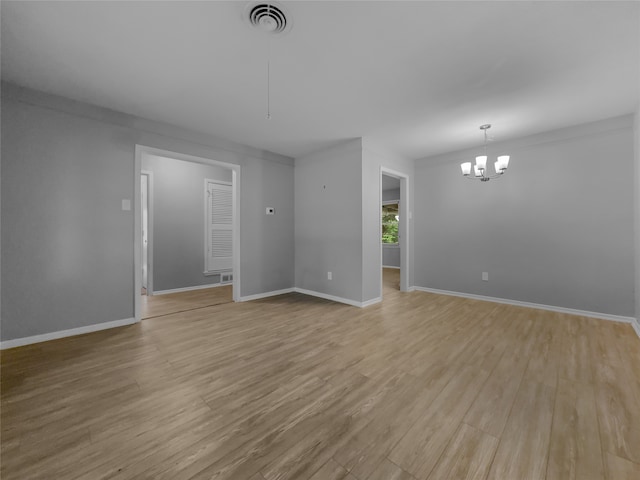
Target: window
(218, 227)
(390, 218)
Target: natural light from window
(390, 217)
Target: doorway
(145, 204)
(395, 215)
(390, 223)
(172, 286)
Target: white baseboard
(572, 311)
(18, 342)
(312, 293)
(188, 289)
(258, 296)
(373, 301)
(636, 326)
(333, 298)
(390, 266)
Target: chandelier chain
(268, 70)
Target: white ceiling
(418, 77)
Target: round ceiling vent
(268, 17)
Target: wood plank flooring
(419, 387)
(159, 305)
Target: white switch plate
(485, 276)
(329, 276)
(270, 211)
(126, 204)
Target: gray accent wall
(390, 256)
(328, 221)
(556, 230)
(67, 246)
(67, 256)
(267, 241)
(179, 221)
(337, 219)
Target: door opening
(144, 252)
(394, 237)
(180, 216)
(390, 230)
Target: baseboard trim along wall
(373, 301)
(312, 293)
(258, 296)
(188, 289)
(572, 311)
(390, 266)
(333, 298)
(19, 342)
(636, 326)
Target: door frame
(140, 152)
(149, 175)
(403, 227)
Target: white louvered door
(219, 227)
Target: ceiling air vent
(268, 17)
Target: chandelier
(480, 168)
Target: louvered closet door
(219, 227)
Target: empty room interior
(312, 240)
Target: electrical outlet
(485, 276)
(329, 276)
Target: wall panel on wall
(66, 167)
(556, 230)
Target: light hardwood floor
(159, 305)
(421, 386)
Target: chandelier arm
(484, 177)
(496, 175)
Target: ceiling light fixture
(480, 168)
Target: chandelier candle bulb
(504, 161)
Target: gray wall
(178, 221)
(390, 256)
(556, 230)
(391, 194)
(67, 257)
(267, 241)
(67, 247)
(337, 228)
(328, 221)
